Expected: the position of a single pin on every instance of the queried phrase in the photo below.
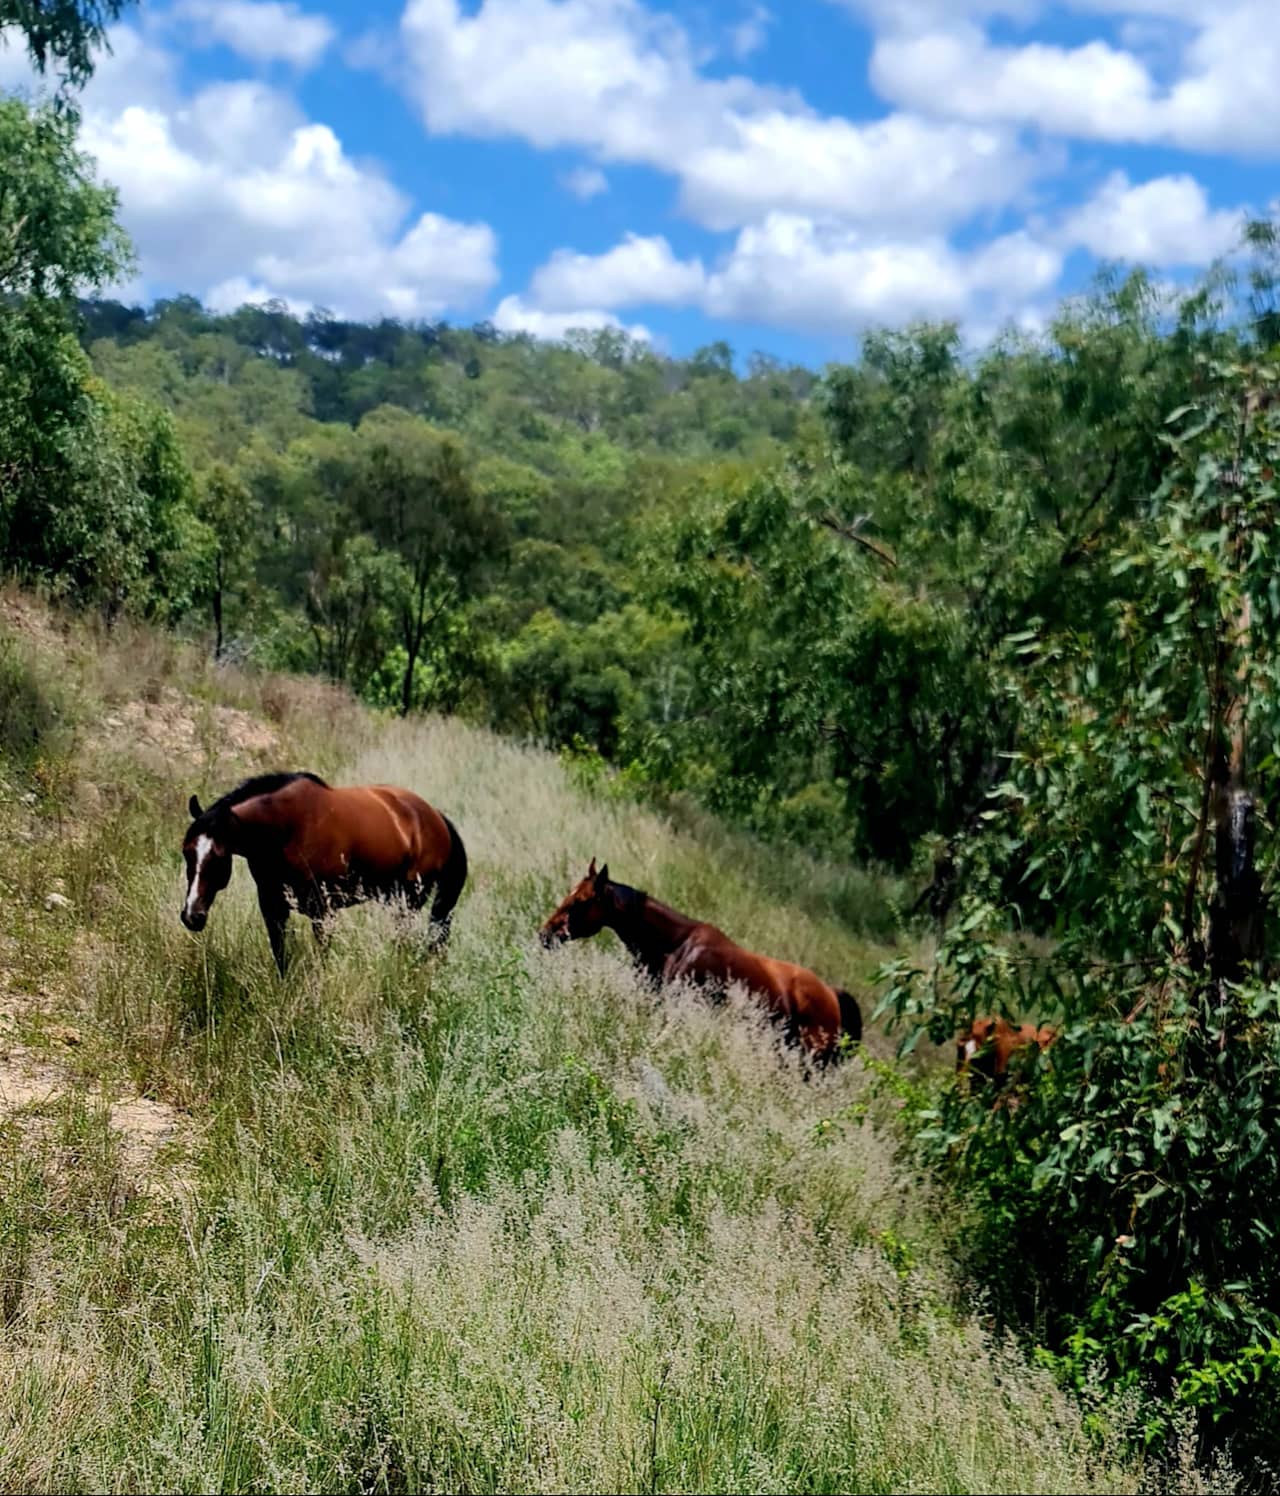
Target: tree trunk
(217, 608)
(406, 690)
(1235, 915)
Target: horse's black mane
(260, 784)
(628, 898)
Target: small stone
(56, 901)
(89, 797)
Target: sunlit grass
(499, 1220)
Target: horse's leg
(449, 884)
(317, 909)
(275, 915)
(406, 905)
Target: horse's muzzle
(549, 937)
(195, 921)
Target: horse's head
(207, 850)
(584, 911)
(973, 1041)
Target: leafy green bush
(1125, 1206)
(33, 718)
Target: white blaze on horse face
(204, 845)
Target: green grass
(496, 1221)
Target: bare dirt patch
(26, 618)
(26, 1080)
(179, 726)
(31, 1086)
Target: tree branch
(854, 533)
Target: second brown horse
(314, 848)
(672, 947)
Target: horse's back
(396, 826)
(372, 833)
(793, 992)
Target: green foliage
(93, 486)
(58, 234)
(33, 716)
(62, 32)
(1136, 1181)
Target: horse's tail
(850, 1015)
(450, 880)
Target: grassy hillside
(496, 1221)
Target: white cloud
(585, 182)
(1093, 90)
(235, 191)
(1166, 221)
(790, 271)
(635, 272)
(900, 171)
(819, 278)
(260, 30)
(238, 290)
(751, 33)
(514, 314)
(1223, 59)
(608, 75)
(613, 78)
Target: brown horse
(317, 849)
(672, 947)
(989, 1044)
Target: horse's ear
(591, 871)
(193, 805)
(603, 875)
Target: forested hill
(512, 394)
(784, 593)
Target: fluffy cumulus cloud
(608, 75)
(807, 275)
(793, 272)
(1163, 222)
(260, 30)
(636, 272)
(514, 314)
(902, 172)
(1221, 58)
(234, 192)
(622, 82)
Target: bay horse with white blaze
(317, 849)
(672, 947)
(989, 1047)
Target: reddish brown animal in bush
(988, 1045)
(673, 947)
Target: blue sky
(780, 173)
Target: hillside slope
(496, 1221)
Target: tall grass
(498, 1220)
